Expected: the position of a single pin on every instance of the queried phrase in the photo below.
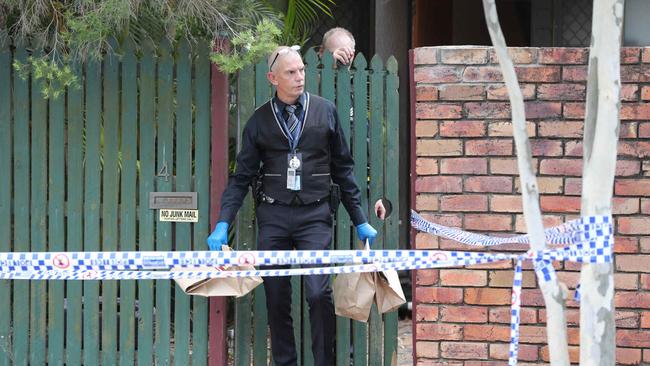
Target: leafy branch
(247, 47)
(76, 30)
(68, 31)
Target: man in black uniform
(297, 138)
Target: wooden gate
(76, 176)
(367, 103)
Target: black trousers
(306, 227)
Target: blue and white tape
(16, 262)
(571, 232)
(430, 259)
(515, 314)
(575, 249)
(585, 240)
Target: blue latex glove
(365, 231)
(219, 236)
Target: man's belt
(296, 201)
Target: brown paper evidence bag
(221, 286)
(354, 293)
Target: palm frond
(302, 16)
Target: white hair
(281, 51)
(334, 31)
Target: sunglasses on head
(282, 51)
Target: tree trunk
(552, 292)
(597, 327)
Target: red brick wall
(466, 176)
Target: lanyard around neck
(293, 143)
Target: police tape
(167, 260)
(589, 239)
(70, 266)
(585, 240)
(200, 274)
(571, 232)
(433, 259)
(582, 231)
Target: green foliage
(301, 17)
(86, 32)
(54, 77)
(248, 47)
(75, 30)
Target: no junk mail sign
(175, 206)
(179, 215)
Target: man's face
(288, 76)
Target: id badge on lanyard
(294, 171)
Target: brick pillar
(466, 176)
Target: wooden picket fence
(76, 176)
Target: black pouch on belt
(256, 187)
(335, 198)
